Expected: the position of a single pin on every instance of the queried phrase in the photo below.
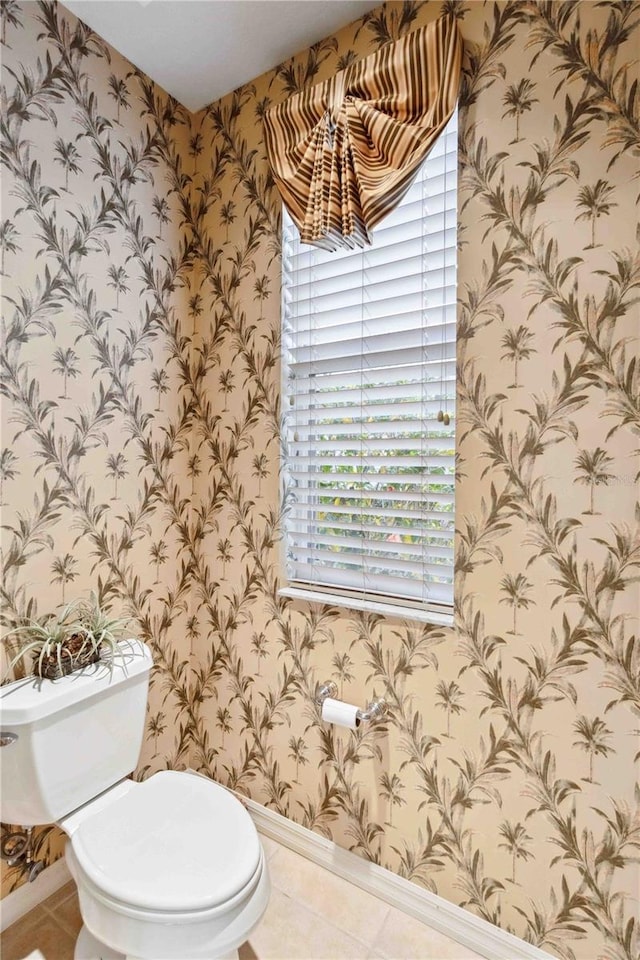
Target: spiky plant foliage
(81, 633)
(43, 638)
(97, 623)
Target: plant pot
(75, 653)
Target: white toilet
(168, 869)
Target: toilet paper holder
(375, 710)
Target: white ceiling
(199, 50)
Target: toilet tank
(67, 740)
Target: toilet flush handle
(7, 738)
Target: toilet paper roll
(340, 713)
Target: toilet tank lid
(28, 700)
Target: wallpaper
(505, 776)
(96, 361)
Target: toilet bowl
(171, 869)
(167, 869)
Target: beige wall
(504, 779)
(95, 477)
(447, 800)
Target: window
(369, 402)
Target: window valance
(344, 152)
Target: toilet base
(89, 948)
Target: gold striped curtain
(344, 152)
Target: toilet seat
(167, 916)
(138, 851)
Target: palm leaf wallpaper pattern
(94, 459)
(140, 451)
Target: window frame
(430, 611)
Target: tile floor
(312, 915)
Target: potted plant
(74, 638)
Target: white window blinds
(369, 384)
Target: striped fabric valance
(344, 152)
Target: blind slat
(402, 377)
(336, 339)
(369, 547)
(409, 591)
(444, 500)
(379, 360)
(298, 526)
(380, 300)
(345, 453)
(326, 310)
(398, 397)
(315, 430)
(355, 572)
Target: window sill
(395, 610)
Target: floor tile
(62, 894)
(270, 846)
(337, 901)
(289, 931)
(67, 914)
(44, 934)
(404, 938)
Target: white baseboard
(29, 895)
(478, 935)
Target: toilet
(170, 868)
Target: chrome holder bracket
(375, 710)
(325, 690)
